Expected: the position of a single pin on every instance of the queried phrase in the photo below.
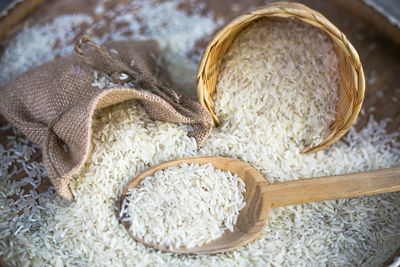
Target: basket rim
(307, 15)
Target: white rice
(36, 45)
(175, 31)
(290, 70)
(184, 206)
(348, 232)
(126, 141)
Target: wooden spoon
(260, 196)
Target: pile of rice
(42, 229)
(288, 72)
(184, 206)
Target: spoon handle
(332, 187)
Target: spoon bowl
(260, 196)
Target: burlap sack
(53, 104)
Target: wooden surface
(14, 13)
(377, 19)
(261, 196)
(370, 33)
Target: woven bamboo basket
(351, 84)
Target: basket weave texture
(351, 84)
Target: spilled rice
(42, 229)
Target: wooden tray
(374, 37)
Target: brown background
(376, 40)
